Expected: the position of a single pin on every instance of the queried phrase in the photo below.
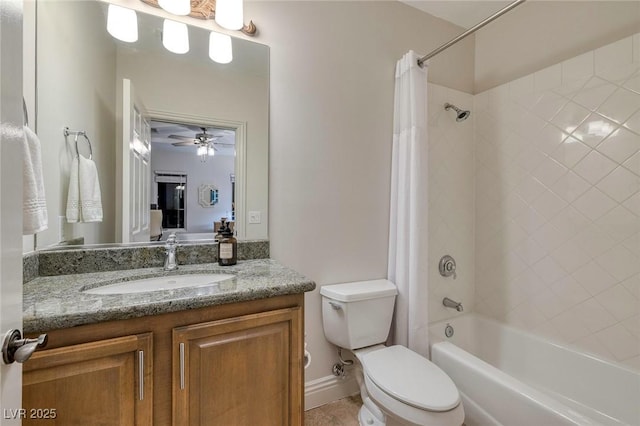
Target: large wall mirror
(179, 107)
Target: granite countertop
(56, 302)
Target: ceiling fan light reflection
(202, 150)
(175, 36)
(176, 7)
(220, 50)
(229, 14)
(599, 128)
(122, 23)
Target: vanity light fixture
(122, 23)
(176, 7)
(220, 50)
(175, 36)
(229, 14)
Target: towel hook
(68, 132)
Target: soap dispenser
(227, 248)
(219, 235)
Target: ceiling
(160, 132)
(463, 13)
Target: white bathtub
(509, 377)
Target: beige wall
(541, 33)
(332, 77)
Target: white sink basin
(160, 283)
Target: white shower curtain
(408, 222)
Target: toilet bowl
(398, 386)
(410, 389)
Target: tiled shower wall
(558, 202)
(451, 199)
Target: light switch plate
(254, 217)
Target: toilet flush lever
(447, 266)
(335, 305)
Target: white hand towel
(73, 197)
(34, 205)
(84, 201)
(90, 195)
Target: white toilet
(400, 387)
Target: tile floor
(343, 412)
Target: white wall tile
(633, 204)
(619, 342)
(620, 184)
(570, 152)
(633, 163)
(557, 219)
(633, 122)
(594, 93)
(549, 171)
(620, 262)
(633, 84)
(620, 106)
(570, 186)
(570, 117)
(593, 315)
(594, 203)
(548, 105)
(619, 302)
(594, 129)
(594, 167)
(620, 145)
(593, 278)
(578, 69)
(619, 223)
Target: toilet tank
(358, 314)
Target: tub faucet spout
(452, 304)
(170, 263)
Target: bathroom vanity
(227, 354)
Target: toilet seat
(411, 387)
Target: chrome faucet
(170, 263)
(452, 304)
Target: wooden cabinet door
(107, 382)
(239, 371)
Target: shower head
(460, 114)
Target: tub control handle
(447, 266)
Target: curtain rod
(470, 31)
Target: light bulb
(220, 48)
(229, 14)
(122, 23)
(175, 36)
(202, 150)
(177, 7)
(210, 151)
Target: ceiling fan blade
(186, 138)
(189, 143)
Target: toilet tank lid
(359, 290)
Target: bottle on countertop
(227, 248)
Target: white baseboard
(328, 389)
